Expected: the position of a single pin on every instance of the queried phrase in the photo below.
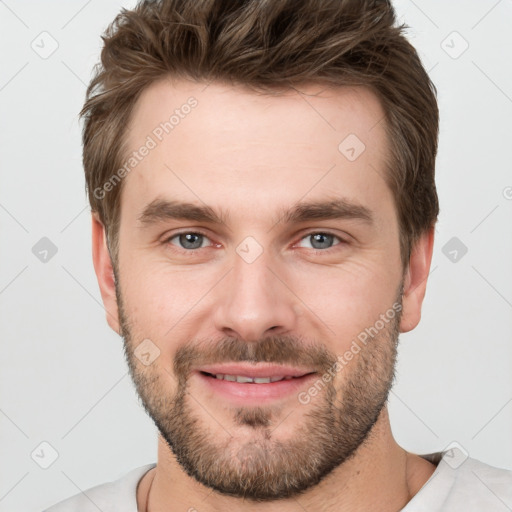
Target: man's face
(269, 281)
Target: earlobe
(415, 280)
(104, 272)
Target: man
(261, 178)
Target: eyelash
(167, 241)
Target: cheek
(159, 301)
(155, 312)
(347, 299)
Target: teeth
(241, 378)
(255, 380)
(261, 380)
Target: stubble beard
(261, 467)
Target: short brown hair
(267, 45)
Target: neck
(380, 476)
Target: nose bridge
(253, 300)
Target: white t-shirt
(459, 484)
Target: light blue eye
(320, 240)
(189, 240)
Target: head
(261, 176)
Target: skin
(248, 157)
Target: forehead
(328, 112)
(220, 144)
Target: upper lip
(261, 370)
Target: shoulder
(479, 477)
(107, 497)
(461, 483)
(476, 486)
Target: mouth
(249, 384)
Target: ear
(104, 272)
(415, 281)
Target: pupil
(321, 241)
(190, 240)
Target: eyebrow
(160, 210)
(338, 208)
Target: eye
(189, 240)
(319, 241)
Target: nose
(255, 301)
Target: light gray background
(63, 375)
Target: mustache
(274, 349)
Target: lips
(255, 380)
(249, 384)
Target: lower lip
(248, 391)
